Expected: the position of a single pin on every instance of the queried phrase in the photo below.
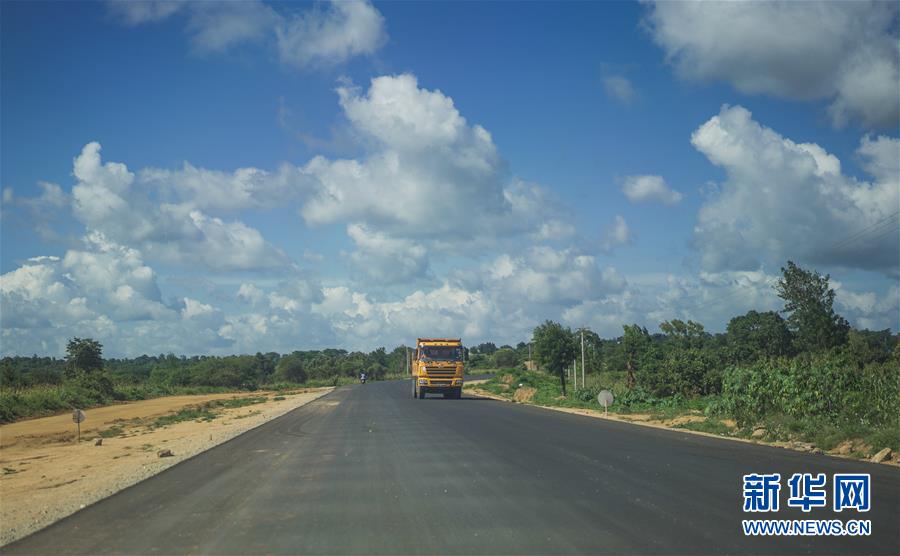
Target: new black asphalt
(368, 469)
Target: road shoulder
(47, 477)
(631, 420)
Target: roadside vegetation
(805, 378)
(40, 386)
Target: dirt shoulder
(47, 475)
(844, 450)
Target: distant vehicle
(438, 367)
(362, 378)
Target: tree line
(84, 360)
(808, 362)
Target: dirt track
(46, 475)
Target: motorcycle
(362, 379)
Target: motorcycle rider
(362, 376)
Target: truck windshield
(442, 353)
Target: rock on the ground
(844, 448)
(165, 453)
(758, 432)
(524, 394)
(99, 442)
(881, 456)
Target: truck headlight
(423, 381)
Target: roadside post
(77, 417)
(605, 398)
(582, 357)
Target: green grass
(115, 430)
(827, 435)
(822, 434)
(886, 437)
(206, 411)
(41, 401)
(186, 414)
(45, 400)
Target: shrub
(505, 358)
(290, 369)
(685, 371)
(827, 386)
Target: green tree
(379, 356)
(554, 349)
(264, 367)
(12, 377)
(83, 356)
(687, 371)
(684, 335)
(291, 369)
(810, 303)
(487, 348)
(505, 357)
(869, 346)
(757, 335)
(635, 342)
(375, 371)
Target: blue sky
(346, 174)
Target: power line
(887, 221)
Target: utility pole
(575, 372)
(582, 357)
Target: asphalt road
(370, 470)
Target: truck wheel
(415, 394)
(421, 394)
(457, 394)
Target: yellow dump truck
(437, 367)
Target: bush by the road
(40, 401)
(824, 400)
(828, 387)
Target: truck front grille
(440, 372)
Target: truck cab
(438, 367)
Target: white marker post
(77, 417)
(605, 398)
(582, 357)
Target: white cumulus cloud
(785, 200)
(330, 35)
(106, 199)
(846, 52)
(429, 175)
(323, 34)
(646, 188)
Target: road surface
(368, 469)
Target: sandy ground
(646, 420)
(46, 475)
